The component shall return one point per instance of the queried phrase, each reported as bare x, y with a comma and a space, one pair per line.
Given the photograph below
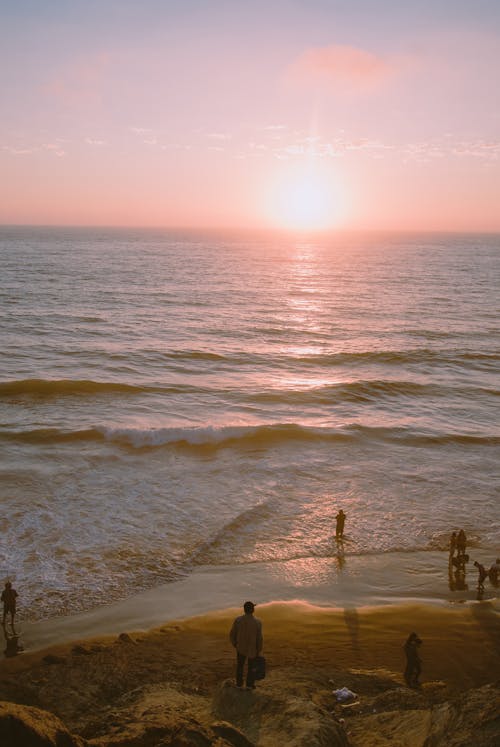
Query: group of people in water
457, 565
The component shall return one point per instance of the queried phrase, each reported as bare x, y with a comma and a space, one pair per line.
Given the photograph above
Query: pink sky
230, 114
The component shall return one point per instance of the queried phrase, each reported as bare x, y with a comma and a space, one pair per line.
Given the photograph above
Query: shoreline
320, 582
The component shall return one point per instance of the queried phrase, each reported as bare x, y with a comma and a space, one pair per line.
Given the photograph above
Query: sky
369, 114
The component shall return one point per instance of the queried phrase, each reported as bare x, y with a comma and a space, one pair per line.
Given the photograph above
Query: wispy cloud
18, 151
219, 135
54, 148
342, 64
81, 83
274, 127
91, 141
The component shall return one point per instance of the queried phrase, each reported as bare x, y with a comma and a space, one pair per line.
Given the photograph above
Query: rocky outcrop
407, 718
297, 716
266, 716
24, 726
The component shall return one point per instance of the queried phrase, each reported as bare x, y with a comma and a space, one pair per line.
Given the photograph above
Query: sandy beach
347, 583
310, 651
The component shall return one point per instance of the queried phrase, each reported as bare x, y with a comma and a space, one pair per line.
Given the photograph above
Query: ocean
176, 400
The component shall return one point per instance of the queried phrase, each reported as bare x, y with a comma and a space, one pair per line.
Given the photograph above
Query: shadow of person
487, 617
351, 617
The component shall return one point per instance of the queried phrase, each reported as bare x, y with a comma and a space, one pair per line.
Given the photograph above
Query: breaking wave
244, 436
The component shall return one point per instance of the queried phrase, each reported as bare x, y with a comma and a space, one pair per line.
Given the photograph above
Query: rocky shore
173, 687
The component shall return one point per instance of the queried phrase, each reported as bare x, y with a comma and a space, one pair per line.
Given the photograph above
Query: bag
259, 668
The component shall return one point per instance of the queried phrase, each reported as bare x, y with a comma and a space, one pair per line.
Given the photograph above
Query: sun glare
305, 201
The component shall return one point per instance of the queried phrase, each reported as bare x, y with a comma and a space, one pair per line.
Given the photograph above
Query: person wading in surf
339, 528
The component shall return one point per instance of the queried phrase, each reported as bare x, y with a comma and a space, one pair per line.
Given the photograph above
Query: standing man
246, 637
453, 544
9, 596
339, 529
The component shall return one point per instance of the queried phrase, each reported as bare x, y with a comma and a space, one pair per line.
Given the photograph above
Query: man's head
249, 608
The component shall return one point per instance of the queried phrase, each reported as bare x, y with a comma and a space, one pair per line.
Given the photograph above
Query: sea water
171, 400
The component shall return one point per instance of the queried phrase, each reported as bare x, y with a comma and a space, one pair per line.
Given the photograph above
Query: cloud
342, 64
91, 141
81, 83
219, 135
55, 149
18, 151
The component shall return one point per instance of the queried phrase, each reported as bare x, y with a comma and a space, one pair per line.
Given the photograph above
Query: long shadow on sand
489, 620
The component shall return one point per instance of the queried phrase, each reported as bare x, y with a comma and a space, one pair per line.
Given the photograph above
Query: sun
305, 200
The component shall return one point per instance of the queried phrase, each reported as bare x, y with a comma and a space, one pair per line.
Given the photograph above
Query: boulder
25, 726
267, 714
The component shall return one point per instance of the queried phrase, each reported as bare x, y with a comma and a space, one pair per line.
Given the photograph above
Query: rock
125, 638
80, 651
403, 698
25, 726
391, 728
230, 734
267, 714
53, 659
471, 720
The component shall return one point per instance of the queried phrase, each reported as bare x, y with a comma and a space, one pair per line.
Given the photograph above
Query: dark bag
259, 668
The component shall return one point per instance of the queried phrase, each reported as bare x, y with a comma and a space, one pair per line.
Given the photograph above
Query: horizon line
252, 229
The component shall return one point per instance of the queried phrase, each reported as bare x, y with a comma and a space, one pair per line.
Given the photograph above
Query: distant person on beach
9, 596
339, 528
453, 544
482, 575
494, 572
246, 637
461, 543
413, 662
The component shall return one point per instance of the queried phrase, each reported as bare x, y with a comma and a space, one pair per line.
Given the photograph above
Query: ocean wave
72, 387
245, 436
366, 391
61, 387
383, 357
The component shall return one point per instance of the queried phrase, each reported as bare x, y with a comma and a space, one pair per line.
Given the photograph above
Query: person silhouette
461, 543
482, 575
413, 662
246, 637
453, 544
9, 596
339, 527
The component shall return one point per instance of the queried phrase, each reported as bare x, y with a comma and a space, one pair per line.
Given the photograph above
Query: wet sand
354, 582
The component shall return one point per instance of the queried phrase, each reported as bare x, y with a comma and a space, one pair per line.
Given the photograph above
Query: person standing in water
453, 544
339, 528
461, 543
482, 575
